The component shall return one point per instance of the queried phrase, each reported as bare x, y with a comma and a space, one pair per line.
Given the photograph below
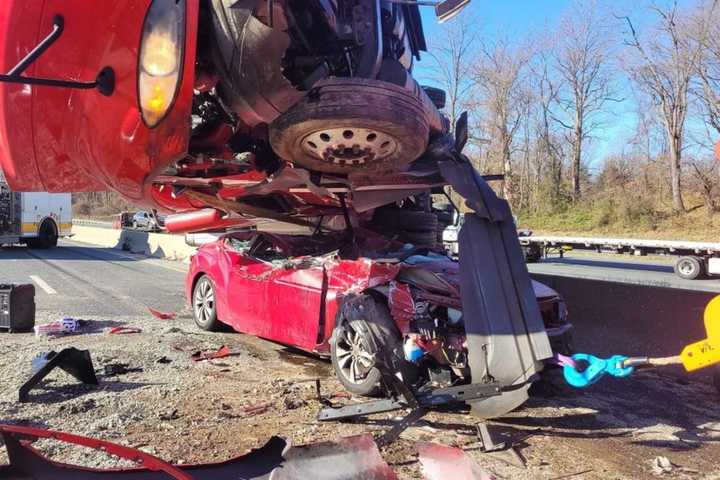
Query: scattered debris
64, 326
167, 416
75, 362
115, 369
293, 403
26, 462
162, 315
661, 465
257, 409
440, 462
345, 458
221, 352
163, 360
124, 330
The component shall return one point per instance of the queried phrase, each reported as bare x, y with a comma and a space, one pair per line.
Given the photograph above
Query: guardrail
158, 245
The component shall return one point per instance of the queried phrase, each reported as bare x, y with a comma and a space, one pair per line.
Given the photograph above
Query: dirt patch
192, 412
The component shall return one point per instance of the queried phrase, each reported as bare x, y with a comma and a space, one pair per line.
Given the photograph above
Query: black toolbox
17, 307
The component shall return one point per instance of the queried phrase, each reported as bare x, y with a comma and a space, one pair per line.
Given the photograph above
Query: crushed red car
306, 290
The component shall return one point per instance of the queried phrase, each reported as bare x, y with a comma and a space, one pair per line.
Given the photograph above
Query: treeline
543, 106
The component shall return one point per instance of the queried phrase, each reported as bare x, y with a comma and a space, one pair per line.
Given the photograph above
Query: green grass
618, 218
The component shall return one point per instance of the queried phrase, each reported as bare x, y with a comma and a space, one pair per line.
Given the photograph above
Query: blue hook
595, 370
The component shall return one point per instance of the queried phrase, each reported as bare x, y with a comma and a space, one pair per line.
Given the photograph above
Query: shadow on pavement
647, 267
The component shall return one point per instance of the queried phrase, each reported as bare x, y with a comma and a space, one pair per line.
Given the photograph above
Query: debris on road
124, 330
440, 462
661, 465
221, 352
162, 315
114, 369
73, 361
350, 457
64, 326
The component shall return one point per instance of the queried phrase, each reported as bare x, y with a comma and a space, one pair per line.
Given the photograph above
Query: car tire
388, 124
364, 331
204, 306
690, 268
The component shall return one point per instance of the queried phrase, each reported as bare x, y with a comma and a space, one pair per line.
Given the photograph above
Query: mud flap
505, 333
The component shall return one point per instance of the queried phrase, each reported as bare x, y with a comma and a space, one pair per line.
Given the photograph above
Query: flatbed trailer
695, 259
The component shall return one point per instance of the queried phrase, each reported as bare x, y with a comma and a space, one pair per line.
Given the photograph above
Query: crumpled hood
446, 275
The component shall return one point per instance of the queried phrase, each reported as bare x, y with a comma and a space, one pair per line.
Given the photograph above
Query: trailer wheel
690, 268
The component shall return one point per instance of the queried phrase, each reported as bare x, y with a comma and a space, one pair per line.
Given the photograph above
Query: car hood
442, 275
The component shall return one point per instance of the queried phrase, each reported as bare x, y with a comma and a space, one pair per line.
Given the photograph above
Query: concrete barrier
158, 245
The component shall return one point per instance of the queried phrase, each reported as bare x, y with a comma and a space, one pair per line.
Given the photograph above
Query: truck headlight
161, 58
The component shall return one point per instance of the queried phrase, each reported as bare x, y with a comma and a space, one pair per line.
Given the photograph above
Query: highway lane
81, 280
651, 272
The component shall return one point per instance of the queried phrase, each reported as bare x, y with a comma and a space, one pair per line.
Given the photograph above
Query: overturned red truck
221, 112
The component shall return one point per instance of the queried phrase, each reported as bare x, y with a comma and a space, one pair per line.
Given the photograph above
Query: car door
294, 297
275, 301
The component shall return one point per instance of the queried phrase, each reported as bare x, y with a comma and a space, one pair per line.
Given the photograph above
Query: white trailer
696, 259
35, 218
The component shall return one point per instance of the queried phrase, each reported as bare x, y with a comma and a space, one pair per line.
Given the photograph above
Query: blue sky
519, 18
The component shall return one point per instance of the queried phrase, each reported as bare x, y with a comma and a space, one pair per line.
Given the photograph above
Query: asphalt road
85, 281
650, 272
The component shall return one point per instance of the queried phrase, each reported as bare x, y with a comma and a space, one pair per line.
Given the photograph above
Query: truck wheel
346, 125
690, 268
47, 236
365, 330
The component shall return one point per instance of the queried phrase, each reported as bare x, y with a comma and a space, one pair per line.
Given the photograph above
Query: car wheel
365, 331
689, 268
204, 306
346, 125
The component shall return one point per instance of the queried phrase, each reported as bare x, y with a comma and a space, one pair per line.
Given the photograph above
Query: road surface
82, 280
190, 412
651, 272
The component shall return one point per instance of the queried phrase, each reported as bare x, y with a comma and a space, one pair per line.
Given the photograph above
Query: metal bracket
104, 82
75, 362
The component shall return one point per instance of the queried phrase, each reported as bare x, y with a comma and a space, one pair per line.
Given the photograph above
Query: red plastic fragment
221, 352
162, 315
124, 330
440, 462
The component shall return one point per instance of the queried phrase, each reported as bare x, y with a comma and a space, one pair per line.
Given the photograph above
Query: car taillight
161, 58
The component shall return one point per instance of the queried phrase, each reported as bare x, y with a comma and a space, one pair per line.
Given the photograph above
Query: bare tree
453, 57
706, 175
499, 75
667, 63
545, 96
706, 33
583, 60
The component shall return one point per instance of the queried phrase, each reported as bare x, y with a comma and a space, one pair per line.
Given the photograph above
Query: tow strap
582, 370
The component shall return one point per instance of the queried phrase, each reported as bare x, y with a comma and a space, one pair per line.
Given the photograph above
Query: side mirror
447, 9
461, 132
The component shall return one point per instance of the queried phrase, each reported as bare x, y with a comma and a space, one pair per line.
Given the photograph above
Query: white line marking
43, 284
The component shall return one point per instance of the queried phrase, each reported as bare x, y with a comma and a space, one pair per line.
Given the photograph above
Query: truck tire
47, 236
346, 125
690, 268
396, 219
